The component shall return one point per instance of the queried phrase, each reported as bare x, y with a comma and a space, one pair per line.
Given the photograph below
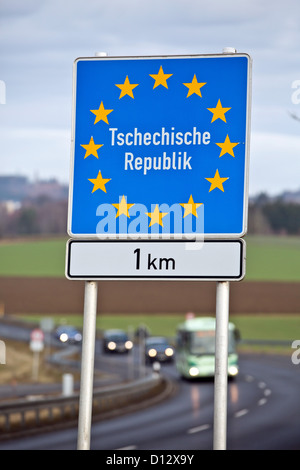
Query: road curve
263, 413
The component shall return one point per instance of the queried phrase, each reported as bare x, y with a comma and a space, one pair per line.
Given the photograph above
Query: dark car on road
158, 348
116, 341
68, 334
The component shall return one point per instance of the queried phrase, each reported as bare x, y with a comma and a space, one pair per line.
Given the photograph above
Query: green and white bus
195, 348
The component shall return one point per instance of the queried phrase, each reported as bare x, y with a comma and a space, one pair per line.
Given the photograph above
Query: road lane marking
240, 413
249, 378
127, 448
204, 427
262, 401
262, 385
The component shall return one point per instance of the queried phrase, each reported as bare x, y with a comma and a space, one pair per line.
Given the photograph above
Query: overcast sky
39, 40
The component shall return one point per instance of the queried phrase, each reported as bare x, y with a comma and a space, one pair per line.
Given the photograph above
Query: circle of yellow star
99, 182
101, 113
161, 78
126, 88
156, 216
194, 87
191, 207
123, 207
227, 147
218, 112
91, 148
216, 182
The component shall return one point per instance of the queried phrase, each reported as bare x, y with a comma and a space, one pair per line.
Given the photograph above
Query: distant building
19, 188
13, 188
51, 189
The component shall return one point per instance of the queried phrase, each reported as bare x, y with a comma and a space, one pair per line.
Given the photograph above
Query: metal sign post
221, 366
87, 365
36, 346
2, 352
87, 359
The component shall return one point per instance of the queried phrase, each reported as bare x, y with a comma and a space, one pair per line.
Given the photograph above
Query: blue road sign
160, 147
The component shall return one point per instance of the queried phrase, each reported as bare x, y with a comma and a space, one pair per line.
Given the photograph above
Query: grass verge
19, 366
269, 258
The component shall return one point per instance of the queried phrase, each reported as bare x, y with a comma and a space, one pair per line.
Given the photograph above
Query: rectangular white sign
158, 260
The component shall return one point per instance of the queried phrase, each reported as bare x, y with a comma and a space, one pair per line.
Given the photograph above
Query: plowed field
61, 296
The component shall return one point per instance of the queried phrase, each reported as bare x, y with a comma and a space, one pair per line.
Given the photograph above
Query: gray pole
221, 354
87, 358
221, 366
87, 365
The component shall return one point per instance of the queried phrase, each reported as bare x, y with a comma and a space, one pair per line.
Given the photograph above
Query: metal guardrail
23, 415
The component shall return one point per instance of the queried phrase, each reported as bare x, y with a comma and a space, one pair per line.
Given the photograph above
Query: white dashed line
238, 414
204, 427
127, 448
241, 413
249, 378
262, 401
262, 385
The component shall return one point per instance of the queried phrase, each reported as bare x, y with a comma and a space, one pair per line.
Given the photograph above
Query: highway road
263, 413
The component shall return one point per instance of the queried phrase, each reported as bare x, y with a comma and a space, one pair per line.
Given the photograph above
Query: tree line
38, 216
46, 216
273, 216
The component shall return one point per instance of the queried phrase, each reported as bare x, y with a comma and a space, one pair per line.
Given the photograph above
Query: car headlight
111, 345
152, 352
169, 352
128, 344
64, 337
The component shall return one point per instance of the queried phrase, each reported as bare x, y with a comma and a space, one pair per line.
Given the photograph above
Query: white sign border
149, 236
156, 277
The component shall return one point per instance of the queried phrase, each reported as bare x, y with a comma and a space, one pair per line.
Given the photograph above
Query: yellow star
126, 88
227, 147
156, 216
123, 207
91, 148
101, 113
191, 207
218, 112
99, 183
161, 78
216, 182
194, 87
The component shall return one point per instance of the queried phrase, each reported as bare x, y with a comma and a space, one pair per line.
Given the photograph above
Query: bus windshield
203, 342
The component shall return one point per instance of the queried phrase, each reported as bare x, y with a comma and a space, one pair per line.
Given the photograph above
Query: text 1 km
149, 262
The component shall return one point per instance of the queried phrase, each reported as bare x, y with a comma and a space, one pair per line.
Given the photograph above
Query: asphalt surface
263, 414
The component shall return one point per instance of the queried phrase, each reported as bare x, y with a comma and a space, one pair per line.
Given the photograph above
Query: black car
157, 348
116, 341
